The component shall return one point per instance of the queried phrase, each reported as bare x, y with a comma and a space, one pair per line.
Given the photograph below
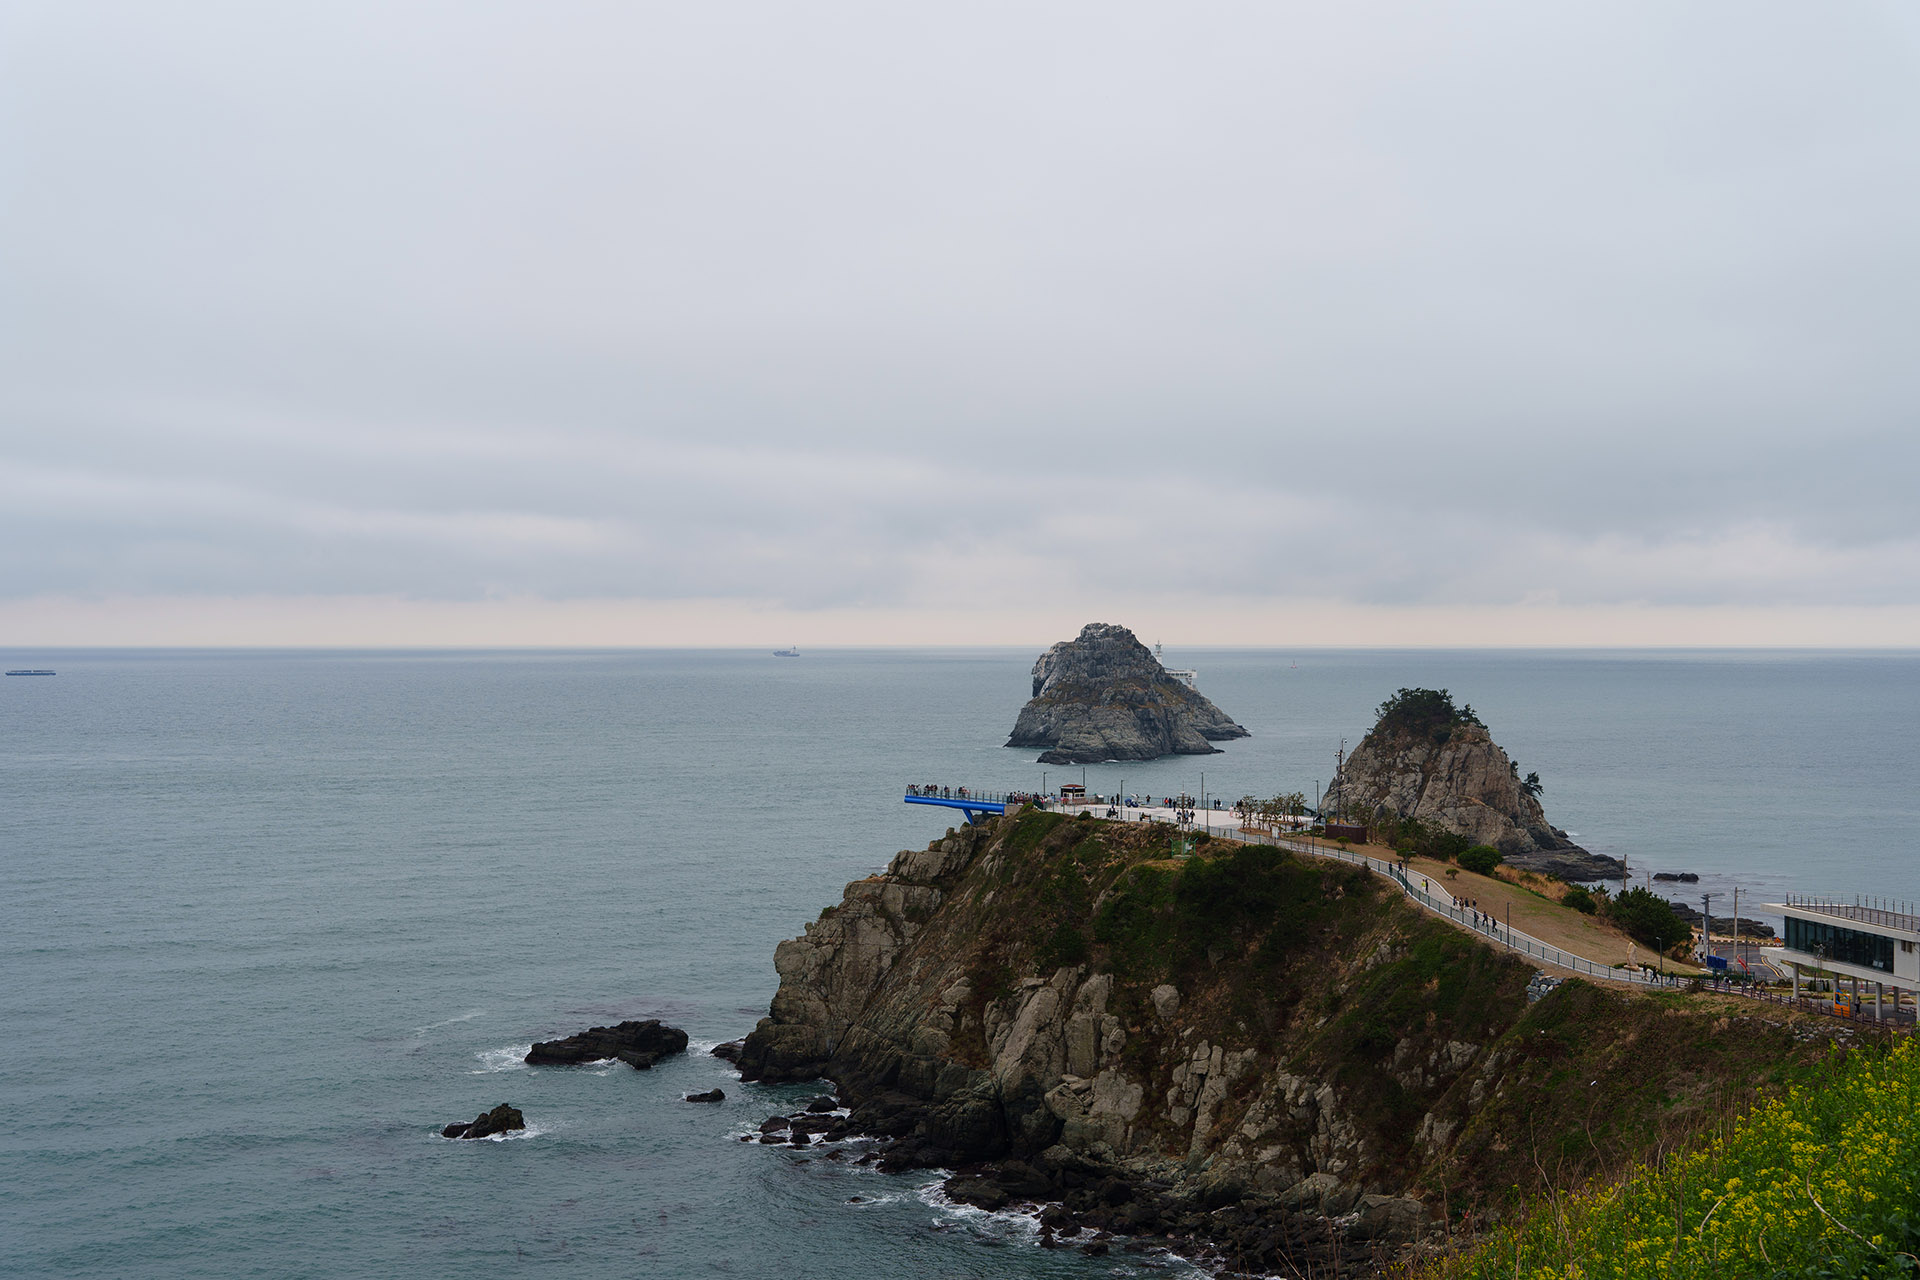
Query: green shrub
1580, 900
1066, 946
1648, 919
1481, 859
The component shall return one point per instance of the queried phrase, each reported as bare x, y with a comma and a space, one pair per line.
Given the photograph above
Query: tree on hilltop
1424, 713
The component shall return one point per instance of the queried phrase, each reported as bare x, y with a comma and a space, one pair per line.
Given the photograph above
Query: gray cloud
1603, 304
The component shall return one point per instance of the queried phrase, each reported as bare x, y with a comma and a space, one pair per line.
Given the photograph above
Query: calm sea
267, 921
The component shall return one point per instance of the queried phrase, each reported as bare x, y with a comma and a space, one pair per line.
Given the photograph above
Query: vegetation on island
1423, 713
1823, 1181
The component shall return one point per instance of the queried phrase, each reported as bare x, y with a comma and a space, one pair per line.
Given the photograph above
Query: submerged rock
1104, 696
711, 1095
638, 1044
499, 1120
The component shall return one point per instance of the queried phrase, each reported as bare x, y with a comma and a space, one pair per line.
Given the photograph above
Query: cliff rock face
1039, 992
1104, 696
1457, 778
1271, 1059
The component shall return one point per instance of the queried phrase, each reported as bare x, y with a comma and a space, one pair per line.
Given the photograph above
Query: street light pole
1706, 928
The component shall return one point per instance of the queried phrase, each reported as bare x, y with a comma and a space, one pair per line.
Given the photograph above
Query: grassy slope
1592, 1080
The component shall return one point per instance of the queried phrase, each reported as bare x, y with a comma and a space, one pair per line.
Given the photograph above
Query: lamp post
1705, 929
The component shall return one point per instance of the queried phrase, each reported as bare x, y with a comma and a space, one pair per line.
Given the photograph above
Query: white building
1861, 943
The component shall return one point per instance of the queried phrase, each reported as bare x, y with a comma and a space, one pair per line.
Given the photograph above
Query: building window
1846, 946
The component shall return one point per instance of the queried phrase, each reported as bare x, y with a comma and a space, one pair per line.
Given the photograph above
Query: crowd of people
935, 791
1186, 807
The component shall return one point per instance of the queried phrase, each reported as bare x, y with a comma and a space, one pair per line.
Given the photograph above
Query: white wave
1023, 1224
447, 1022
511, 1135
514, 1135
507, 1059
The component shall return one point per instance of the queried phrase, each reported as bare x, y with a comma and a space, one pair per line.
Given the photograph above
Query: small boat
30, 672
787, 653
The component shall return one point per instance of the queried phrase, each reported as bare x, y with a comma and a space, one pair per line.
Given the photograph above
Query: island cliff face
1104, 696
1264, 1054
1445, 770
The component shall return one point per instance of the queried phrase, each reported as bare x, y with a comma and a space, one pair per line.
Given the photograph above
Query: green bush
1481, 859
1422, 840
1580, 900
1648, 919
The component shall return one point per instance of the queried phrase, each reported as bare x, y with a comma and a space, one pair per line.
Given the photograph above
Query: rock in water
711, 1095
1104, 696
1428, 760
488, 1123
638, 1044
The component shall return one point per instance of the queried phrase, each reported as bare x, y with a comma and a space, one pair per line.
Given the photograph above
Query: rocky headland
1269, 1060
1104, 696
1431, 761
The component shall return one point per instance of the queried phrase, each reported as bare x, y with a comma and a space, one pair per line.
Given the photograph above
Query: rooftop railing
1886, 913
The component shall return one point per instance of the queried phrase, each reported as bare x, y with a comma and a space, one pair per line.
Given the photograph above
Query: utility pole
1706, 926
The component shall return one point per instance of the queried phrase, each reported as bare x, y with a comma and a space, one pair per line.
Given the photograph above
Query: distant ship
778, 653
34, 672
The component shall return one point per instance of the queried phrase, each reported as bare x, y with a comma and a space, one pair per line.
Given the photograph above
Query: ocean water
269, 920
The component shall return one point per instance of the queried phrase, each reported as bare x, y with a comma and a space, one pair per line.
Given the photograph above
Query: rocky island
1266, 1059
638, 1044
1104, 696
1431, 761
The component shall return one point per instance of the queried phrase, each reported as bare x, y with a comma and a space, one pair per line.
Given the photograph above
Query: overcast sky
571, 322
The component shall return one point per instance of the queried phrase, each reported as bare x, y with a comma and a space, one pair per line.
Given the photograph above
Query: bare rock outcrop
638, 1044
1104, 696
502, 1119
1427, 760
